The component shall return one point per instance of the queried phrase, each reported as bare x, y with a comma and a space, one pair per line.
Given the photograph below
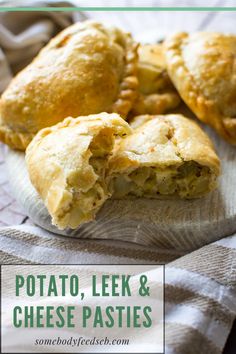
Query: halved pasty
203, 68
157, 94
167, 155
67, 164
86, 69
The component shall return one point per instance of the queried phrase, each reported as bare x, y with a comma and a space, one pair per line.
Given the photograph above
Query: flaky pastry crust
203, 70
86, 69
67, 164
166, 155
152, 70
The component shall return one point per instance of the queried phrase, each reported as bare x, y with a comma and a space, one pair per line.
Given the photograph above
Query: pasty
155, 103
67, 164
138, 121
86, 69
166, 155
152, 73
157, 94
202, 67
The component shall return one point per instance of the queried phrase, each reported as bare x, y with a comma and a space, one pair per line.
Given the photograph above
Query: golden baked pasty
167, 155
157, 94
67, 164
138, 121
86, 69
202, 67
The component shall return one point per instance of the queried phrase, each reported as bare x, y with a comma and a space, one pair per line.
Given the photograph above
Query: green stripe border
205, 8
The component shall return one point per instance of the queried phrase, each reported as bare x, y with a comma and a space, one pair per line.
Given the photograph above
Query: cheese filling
187, 181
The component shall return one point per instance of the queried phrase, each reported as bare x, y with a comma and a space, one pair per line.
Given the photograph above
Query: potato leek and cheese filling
165, 156
67, 164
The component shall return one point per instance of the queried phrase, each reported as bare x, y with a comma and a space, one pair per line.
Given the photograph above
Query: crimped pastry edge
16, 140
206, 110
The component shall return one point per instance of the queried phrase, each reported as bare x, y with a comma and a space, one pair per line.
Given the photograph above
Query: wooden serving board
171, 224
